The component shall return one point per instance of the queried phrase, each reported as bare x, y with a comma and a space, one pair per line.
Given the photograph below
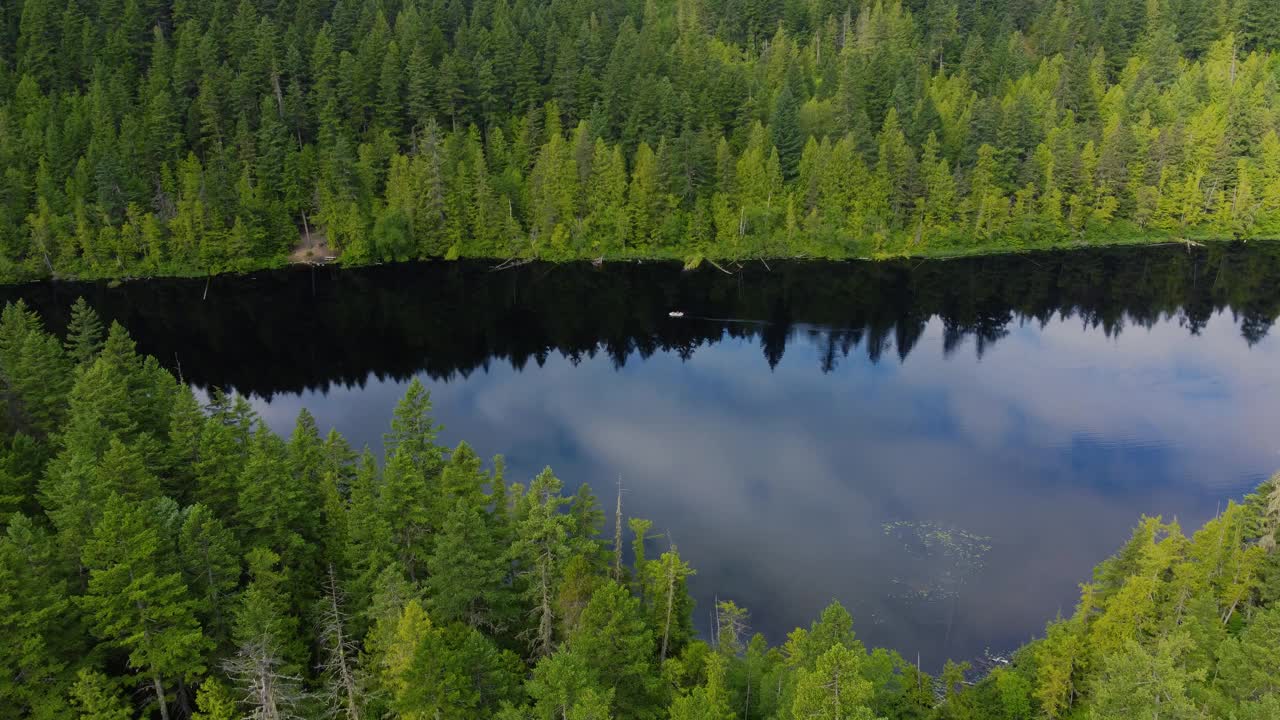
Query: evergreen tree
614, 641
784, 131
563, 686
833, 688
540, 550
1138, 682
214, 702
42, 638
84, 334
413, 433
210, 559
135, 604
668, 600
95, 696
709, 701
467, 573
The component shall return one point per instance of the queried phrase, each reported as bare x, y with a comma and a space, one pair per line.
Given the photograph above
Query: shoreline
690, 262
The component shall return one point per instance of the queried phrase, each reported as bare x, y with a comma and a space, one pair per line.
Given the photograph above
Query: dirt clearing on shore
313, 248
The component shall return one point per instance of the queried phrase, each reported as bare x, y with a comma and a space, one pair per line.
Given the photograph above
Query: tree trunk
345, 676
837, 682
666, 628
546, 620
159, 688
214, 600
617, 536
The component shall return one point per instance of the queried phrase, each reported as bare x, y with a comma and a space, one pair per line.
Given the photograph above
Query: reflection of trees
985, 329
304, 328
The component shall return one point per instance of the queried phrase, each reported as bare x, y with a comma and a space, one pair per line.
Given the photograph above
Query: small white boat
675, 314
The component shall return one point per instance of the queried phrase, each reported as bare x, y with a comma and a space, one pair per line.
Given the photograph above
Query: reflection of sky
775, 485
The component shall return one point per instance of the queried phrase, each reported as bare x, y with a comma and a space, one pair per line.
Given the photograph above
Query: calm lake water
945, 447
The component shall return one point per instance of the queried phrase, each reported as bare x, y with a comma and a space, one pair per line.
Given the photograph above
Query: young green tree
670, 607
563, 686
43, 642
210, 559
96, 697
271, 504
370, 546
709, 701
84, 334
540, 550
466, 570
221, 454
215, 702
784, 131
1242, 670
834, 688
1140, 682
613, 640
427, 670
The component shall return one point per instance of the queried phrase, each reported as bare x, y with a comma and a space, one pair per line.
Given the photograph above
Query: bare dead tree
675, 571
666, 626
268, 692
340, 653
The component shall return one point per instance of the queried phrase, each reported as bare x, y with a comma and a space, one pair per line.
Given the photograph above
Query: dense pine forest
143, 137
168, 556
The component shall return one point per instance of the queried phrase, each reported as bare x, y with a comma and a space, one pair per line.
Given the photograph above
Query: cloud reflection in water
776, 483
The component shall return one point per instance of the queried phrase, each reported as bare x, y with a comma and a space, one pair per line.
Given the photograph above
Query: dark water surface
945, 447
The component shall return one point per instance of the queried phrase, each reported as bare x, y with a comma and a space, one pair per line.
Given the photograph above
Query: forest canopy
142, 137
168, 556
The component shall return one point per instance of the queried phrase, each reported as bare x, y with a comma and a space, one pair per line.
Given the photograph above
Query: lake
945, 447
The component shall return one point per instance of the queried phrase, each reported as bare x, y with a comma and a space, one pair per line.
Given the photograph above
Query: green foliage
834, 688
84, 333
1141, 683
214, 702
540, 551
95, 697
43, 640
210, 559
467, 569
134, 603
618, 647
563, 685
709, 701
432, 670
154, 137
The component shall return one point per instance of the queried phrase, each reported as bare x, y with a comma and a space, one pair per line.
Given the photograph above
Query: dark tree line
447, 319
141, 137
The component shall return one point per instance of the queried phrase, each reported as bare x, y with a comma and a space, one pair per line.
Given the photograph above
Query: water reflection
903, 416
309, 329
